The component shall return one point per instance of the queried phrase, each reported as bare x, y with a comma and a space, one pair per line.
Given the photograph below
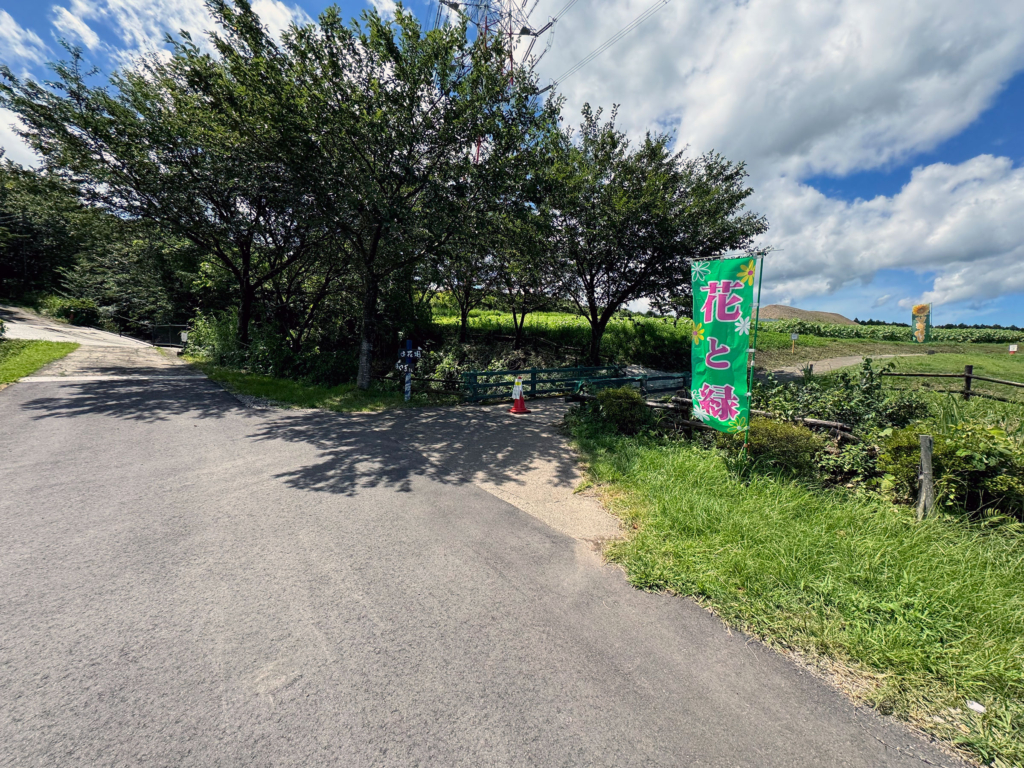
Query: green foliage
628, 219
892, 332
978, 469
777, 446
860, 400
929, 613
653, 342
21, 357
625, 409
76, 311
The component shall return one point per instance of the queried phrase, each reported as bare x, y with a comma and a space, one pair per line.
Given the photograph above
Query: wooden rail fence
968, 376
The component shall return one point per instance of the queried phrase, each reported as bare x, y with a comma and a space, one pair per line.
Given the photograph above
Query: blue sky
884, 139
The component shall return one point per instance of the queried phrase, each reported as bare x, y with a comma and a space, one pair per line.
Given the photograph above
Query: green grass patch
22, 357
296, 394
924, 616
774, 349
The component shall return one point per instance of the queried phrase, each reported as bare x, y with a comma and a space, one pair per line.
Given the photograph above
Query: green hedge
893, 332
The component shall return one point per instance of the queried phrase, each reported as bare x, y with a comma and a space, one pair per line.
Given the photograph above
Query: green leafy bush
3, 329
777, 446
859, 401
625, 408
976, 467
77, 311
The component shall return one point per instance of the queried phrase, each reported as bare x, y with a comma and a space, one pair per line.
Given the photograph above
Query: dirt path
828, 365
22, 324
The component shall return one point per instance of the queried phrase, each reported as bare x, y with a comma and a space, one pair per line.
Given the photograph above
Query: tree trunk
245, 315
464, 324
596, 332
518, 322
369, 328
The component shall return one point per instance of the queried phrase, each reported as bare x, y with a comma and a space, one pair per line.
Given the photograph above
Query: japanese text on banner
723, 305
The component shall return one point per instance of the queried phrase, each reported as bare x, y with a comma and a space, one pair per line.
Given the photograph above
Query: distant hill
782, 312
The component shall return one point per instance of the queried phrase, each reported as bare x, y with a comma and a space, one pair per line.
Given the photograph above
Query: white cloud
881, 301
958, 222
794, 87
19, 44
384, 7
13, 145
73, 28
801, 87
142, 25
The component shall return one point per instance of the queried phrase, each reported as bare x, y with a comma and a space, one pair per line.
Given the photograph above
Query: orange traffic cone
518, 401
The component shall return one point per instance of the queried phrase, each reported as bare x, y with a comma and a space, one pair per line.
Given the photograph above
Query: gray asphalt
184, 581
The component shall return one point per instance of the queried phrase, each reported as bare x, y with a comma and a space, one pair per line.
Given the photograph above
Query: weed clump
625, 409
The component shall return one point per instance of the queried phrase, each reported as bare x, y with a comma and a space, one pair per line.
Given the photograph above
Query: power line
609, 42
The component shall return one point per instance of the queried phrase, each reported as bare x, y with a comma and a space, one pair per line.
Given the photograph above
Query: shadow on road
449, 445
355, 451
143, 400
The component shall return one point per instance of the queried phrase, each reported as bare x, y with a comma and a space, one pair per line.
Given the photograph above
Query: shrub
625, 408
860, 401
976, 468
77, 311
3, 329
777, 445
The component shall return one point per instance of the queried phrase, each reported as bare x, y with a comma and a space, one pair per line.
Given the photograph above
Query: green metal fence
537, 382
541, 382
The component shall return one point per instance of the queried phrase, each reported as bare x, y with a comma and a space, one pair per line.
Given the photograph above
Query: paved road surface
184, 581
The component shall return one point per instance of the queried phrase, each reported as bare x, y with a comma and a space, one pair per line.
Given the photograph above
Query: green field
916, 619
19, 357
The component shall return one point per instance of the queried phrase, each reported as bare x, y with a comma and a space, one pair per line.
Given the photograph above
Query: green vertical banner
723, 304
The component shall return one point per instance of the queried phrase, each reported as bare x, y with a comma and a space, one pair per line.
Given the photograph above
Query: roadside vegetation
813, 544
22, 357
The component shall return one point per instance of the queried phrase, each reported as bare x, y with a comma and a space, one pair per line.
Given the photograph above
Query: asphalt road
184, 581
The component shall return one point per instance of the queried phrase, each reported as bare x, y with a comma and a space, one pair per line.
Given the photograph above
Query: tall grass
929, 614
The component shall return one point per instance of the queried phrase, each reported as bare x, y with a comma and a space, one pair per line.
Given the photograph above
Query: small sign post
793, 337
406, 362
1013, 349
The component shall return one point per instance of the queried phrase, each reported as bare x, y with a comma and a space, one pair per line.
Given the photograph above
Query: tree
420, 134
525, 273
629, 220
43, 228
204, 147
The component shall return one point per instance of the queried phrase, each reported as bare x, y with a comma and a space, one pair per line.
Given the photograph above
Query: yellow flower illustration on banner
921, 309
738, 424
747, 271
698, 333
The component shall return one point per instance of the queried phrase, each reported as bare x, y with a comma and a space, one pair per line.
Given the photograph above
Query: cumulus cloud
798, 88
18, 44
11, 143
794, 87
960, 222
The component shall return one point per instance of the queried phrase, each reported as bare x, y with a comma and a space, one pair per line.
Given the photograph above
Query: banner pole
752, 353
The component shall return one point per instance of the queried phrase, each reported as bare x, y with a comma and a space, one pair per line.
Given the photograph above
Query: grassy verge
296, 394
21, 357
1001, 366
920, 618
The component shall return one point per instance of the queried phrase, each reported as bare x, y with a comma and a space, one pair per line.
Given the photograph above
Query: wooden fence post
533, 382
968, 370
926, 498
